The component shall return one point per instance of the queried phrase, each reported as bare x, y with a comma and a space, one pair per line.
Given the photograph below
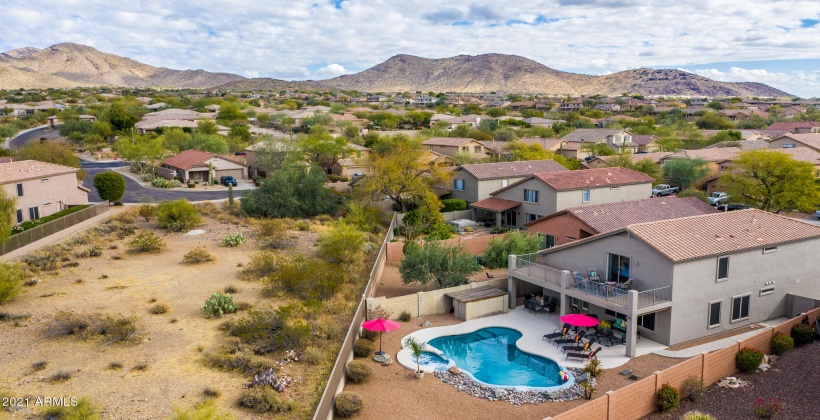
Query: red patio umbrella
381, 325
579, 320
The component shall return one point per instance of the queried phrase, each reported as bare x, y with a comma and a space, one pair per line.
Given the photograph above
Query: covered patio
499, 209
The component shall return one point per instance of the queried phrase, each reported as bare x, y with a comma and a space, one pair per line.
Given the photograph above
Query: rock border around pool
464, 383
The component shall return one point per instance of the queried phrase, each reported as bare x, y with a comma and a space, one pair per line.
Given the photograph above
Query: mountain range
68, 64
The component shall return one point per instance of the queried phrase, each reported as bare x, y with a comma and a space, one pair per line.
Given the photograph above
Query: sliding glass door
618, 268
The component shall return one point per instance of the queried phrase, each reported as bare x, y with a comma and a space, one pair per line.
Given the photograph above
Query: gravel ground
794, 380
390, 284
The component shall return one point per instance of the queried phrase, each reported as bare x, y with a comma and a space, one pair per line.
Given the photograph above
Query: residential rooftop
511, 169
591, 178
31, 169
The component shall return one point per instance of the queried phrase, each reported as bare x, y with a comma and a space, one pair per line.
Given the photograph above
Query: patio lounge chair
625, 285
583, 348
592, 355
593, 274
573, 340
557, 333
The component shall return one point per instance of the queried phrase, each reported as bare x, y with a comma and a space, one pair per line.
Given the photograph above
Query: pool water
491, 356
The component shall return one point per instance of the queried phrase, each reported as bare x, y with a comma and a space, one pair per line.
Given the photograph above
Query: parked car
817, 214
733, 207
716, 198
227, 180
240, 154
661, 190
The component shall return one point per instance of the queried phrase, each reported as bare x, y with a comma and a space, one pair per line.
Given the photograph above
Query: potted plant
605, 326
416, 348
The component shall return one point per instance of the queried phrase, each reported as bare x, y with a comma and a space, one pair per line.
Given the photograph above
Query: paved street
22, 139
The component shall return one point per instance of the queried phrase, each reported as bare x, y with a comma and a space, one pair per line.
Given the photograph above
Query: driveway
136, 193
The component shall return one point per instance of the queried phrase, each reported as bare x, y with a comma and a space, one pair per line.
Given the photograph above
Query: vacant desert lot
172, 344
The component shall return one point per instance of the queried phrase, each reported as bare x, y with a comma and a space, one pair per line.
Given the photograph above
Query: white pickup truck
661, 190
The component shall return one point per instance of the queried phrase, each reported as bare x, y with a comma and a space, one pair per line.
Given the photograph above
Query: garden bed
22, 227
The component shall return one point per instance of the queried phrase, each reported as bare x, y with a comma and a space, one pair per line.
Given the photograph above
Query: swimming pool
490, 356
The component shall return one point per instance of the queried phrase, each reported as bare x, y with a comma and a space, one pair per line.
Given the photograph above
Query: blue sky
767, 41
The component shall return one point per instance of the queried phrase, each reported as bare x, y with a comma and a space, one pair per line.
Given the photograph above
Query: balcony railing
525, 264
654, 296
609, 293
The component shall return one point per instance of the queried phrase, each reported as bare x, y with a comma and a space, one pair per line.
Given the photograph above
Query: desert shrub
369, 335
109, 328
147, 211
209, 209
697, 415
164, 183
91, 252
668, 398
197, 255
178, 215
748, 359
273, 233
327, 327
117, 329
364, 217
270, 331
231, 290
306, 278
692, 388
344, 245
44, 260
264, 400
261, 266
36, 367
767, 408
206, 410
291, 193
781, 343
517, 243
802, 334
404, 316
11, 280
110, 185
233, 240
363, 347
236, 362
348, 404
218, 305
115, 366
453, 204
84, 410
358, 371
302, 225
146, 241
60, 377
314, 355
159, 309
593, 367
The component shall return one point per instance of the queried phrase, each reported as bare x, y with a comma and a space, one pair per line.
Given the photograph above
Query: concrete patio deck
718, 344
533, 327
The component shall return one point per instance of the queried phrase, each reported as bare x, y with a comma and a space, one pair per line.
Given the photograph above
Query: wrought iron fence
49, 228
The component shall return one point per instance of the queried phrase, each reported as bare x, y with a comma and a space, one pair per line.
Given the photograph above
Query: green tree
716, 105
624, 160
110, 186
443, 265
497, 112
684, 173
11, 281
178, 215
144, 152
669, 144
772, 181
7, 210
323, 149
51, 152
343, 245
516, 243
713, 121
206, 127
229, 113
273, 154
291, 192
241, 132
176, 140
426, 219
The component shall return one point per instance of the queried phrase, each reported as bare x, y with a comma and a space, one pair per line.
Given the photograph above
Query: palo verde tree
684, 172
772, 181
443, 265
110, 186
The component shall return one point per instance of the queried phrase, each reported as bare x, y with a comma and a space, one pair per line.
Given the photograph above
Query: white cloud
797, 82
331, 70
250, 73
284, 38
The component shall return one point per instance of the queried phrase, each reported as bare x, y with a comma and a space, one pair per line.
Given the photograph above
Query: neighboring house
802, 154
603, 161
690, 277
743, 144
582, 222
543, 194
436, 159
618, 140
251, 157
457, 145
542, 122
800, 127
646, 142
519, 105
356, 164
790, 141
552, 145
41, 189
475, 182
607, 107
195, 164
574, 105
713, 157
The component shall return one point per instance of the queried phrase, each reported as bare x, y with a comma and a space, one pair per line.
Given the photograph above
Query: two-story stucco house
474, 182
451, 146
688, 278
543, 194
618, 140
41, 189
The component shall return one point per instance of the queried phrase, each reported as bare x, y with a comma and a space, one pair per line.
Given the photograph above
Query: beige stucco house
474, 182
457, 145
195, 164
41, 189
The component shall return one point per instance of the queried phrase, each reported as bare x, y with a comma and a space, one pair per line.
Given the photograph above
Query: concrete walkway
718, 344
58, 236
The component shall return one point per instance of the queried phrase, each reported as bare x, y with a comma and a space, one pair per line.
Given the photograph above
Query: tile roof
583, 135
512, 169
613, 216
792, 125
547, 144
31, 169
587, 178
446, 141
637, 157
495, 204
188, 159
803, 154
809, 139
743, 144
644, 139
695, 237
709, 155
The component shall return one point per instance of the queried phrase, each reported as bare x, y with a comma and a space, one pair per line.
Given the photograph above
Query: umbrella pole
380, 343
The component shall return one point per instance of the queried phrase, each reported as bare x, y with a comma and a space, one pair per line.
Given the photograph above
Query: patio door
618, 268
511, 218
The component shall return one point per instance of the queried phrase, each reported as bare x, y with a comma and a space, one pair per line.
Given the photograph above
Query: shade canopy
579, 320
381, 325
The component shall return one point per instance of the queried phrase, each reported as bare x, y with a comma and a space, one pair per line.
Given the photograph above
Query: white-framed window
647, 321
715, 308
723, 269
585, 196
19, 216
33, 213
19, 190
740, 307
769, 249
531, 196
458, 184
477, 149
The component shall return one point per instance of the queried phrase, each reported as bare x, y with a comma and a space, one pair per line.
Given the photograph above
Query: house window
619, 268
549, 241
714, 313
505, 182
19, 216
465, 149
47, 204
585, 196
581, 304
33, 213
615, 314
723, 268
769, 249
477, 149
531, 196
647, 321
767, 291
788, 146
530, 217
458, 184
740, 308
19, 190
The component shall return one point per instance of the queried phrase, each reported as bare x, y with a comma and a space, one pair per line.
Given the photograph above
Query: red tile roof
495, 204
792, 125
590, 178
188, 159
446, 141
709, 155
512, 169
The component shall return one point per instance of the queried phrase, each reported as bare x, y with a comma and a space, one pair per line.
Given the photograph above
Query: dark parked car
227, 180
733, 206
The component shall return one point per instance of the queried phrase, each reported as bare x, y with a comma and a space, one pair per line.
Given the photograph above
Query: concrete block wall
719, 364
786, 327
427, 303
762, 341
633, 401
596, 409
474, 244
